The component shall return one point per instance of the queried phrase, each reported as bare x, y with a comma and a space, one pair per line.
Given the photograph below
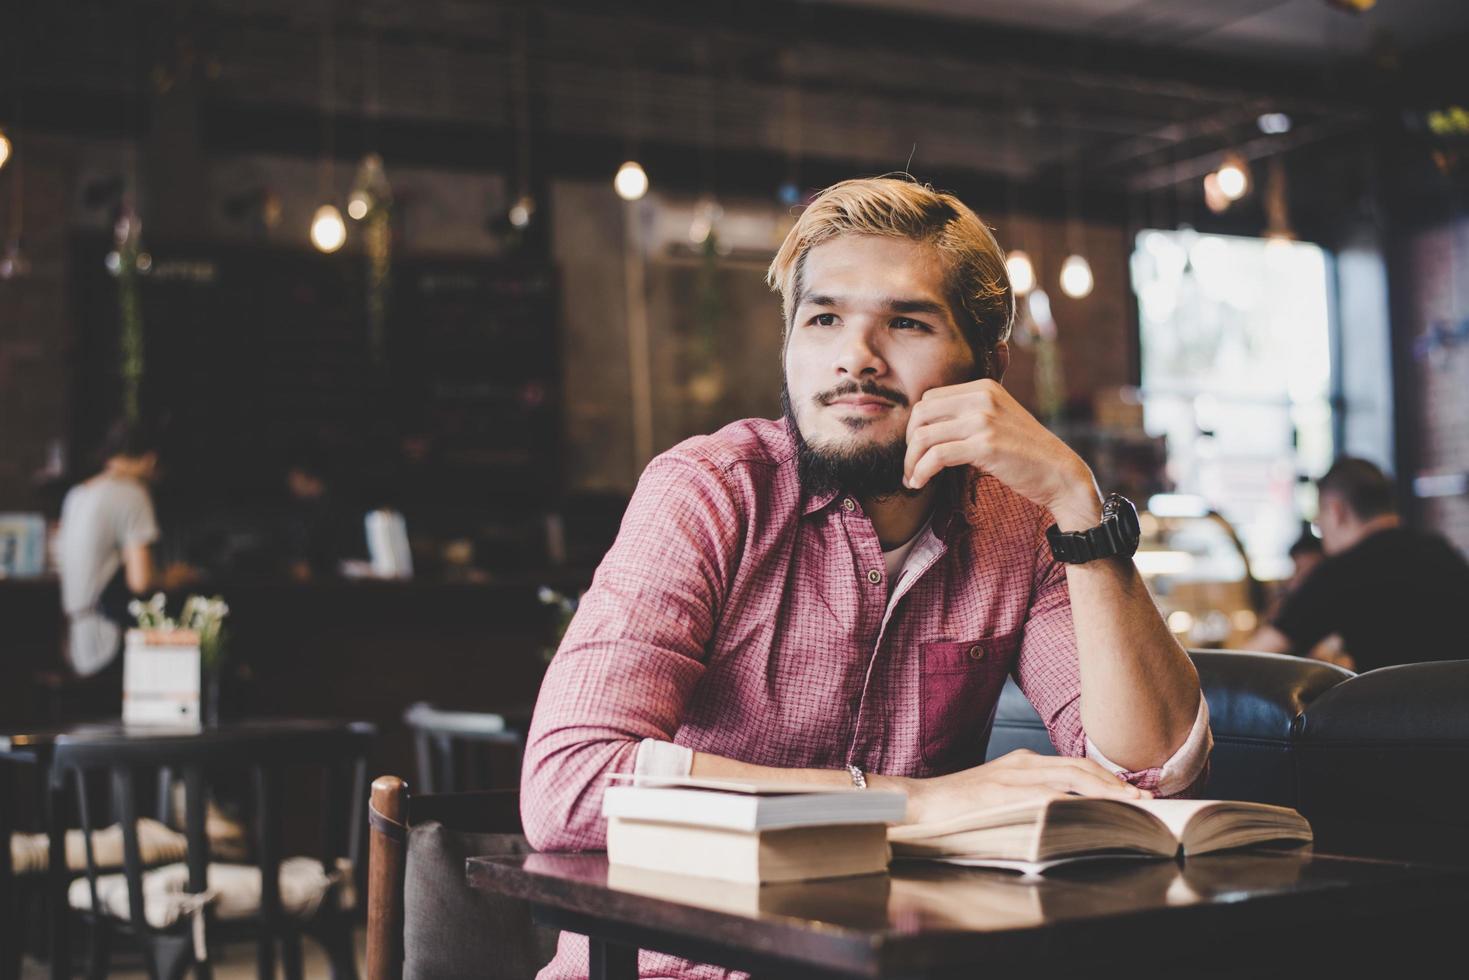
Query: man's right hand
1013, 778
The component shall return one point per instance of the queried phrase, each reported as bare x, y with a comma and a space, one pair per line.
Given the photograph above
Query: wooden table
1247, 914
35, 748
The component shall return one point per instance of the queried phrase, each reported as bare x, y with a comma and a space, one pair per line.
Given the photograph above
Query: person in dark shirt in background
1385, 594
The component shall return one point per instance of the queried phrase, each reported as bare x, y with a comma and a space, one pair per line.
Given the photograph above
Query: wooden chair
177, 912
423, 919
460, 751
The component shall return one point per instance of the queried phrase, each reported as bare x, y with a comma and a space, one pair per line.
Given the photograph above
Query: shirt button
848, 503
976, 652
874, 576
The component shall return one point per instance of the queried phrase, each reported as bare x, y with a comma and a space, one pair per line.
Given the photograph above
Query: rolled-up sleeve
634, 651
1049, 674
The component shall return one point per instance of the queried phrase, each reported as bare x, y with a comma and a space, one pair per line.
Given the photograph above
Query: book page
1010, 814
1175, 814
1041, 867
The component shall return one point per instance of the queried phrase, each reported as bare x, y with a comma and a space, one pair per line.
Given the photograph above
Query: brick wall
1436, 287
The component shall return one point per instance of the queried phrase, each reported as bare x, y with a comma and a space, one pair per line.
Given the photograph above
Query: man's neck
897, 518
1371, 526
120, 469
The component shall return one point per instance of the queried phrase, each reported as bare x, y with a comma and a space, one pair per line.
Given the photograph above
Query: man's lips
866, 405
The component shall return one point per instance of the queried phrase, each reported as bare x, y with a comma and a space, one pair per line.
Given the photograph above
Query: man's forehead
866, 268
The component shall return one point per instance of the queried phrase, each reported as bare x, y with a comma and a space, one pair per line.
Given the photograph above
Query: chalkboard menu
256, 357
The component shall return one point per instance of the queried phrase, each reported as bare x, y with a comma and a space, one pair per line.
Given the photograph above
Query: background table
1244, 914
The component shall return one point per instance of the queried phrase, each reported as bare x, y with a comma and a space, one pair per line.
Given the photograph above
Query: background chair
423, 921
1256, 703
176, 912
459, 751
1383, 759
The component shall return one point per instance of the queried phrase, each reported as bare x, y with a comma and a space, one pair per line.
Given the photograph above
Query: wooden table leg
612, 961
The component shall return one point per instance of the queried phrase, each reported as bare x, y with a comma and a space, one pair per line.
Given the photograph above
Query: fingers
930, 435
1069, 774
968, 387
937, 459
1066, 779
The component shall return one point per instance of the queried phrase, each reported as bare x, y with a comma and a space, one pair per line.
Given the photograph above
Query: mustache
866, 388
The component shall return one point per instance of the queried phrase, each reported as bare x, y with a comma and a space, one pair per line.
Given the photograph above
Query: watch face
1121, 508
1124, 531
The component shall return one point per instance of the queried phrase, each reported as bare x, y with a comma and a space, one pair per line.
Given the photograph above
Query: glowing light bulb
631, 182
328, 231
4, 148
1233, 181
1076, 277
521, 211
1274, 123
358, 206
1021, 271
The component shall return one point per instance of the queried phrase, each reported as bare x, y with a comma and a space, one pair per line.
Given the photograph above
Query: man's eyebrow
892, 304
929, 306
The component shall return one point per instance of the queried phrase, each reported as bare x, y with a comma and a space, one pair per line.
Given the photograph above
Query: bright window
1236, 372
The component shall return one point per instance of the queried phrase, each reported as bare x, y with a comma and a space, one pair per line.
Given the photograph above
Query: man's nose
858, 354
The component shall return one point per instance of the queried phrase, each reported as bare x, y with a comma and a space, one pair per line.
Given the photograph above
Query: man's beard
866, 472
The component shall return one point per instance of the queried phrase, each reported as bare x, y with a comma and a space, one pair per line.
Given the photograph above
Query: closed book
1034, 836
748, 857
749, 806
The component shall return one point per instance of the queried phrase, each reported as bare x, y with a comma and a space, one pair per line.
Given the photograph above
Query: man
1384, 594
104, 548
836, 597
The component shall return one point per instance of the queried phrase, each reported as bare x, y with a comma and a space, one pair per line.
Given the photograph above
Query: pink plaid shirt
737, 616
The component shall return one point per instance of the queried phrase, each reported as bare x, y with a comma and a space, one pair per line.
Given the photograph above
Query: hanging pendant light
1076, 277
631, 181
1021, 272
328, 231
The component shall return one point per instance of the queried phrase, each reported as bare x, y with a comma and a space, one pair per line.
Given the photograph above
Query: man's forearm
709, 766
1139, 691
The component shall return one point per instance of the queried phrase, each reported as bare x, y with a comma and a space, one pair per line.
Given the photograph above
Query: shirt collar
956, 502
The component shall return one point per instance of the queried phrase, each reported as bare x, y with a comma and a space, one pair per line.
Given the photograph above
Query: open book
1034, 836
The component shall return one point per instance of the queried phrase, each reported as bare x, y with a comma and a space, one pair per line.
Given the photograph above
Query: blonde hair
900, 207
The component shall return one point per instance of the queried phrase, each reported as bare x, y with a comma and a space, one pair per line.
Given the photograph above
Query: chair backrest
1382, 764
338, 752
423, 920
1255, 704
459, 751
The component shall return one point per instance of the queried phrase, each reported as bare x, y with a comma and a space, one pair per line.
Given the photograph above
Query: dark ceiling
1128, 98
1310, 32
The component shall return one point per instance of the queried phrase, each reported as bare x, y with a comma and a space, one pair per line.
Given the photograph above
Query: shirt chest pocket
959, 687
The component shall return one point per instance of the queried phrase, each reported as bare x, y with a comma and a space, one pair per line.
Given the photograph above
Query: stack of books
749, 832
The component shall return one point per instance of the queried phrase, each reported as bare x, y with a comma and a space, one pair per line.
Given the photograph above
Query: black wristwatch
1118, 534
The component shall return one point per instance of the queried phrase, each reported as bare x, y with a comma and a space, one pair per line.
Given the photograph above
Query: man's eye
903, 323
824, 319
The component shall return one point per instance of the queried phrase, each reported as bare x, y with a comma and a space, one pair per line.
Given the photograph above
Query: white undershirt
896, 559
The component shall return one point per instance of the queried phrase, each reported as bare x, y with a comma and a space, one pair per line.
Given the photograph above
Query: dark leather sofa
1378, 762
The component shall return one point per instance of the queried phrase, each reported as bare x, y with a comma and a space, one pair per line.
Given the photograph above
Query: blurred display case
1197, 569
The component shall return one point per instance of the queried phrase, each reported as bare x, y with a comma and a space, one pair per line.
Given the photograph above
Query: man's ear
999, 360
